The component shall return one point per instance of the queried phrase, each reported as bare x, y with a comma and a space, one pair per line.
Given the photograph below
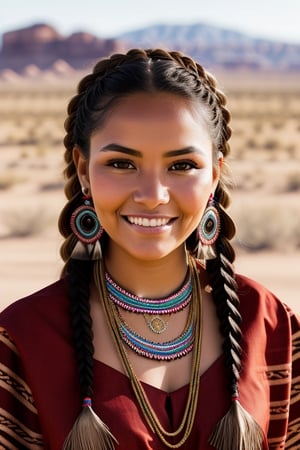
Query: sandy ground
28, 264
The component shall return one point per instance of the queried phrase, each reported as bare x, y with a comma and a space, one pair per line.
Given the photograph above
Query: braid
79, 290
237, 430
221, 269
88, 430
227, 303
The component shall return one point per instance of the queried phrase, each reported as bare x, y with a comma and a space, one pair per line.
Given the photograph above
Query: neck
148, 278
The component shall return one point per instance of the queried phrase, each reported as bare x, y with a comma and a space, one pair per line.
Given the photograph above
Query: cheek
103, 191
105, 196
194, 208
194, 194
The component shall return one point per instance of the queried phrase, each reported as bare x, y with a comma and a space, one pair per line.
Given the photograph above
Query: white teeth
144, 222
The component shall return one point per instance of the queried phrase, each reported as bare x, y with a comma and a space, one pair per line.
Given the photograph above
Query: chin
152, 255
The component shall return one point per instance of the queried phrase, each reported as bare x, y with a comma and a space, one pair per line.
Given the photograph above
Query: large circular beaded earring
208, 231
87, 228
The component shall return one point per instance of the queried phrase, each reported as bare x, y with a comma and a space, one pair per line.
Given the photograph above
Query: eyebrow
137, 153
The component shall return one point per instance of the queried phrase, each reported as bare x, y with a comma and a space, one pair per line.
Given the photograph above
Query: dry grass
267, 226
25, 222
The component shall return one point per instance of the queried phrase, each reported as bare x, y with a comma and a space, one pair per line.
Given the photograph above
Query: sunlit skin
152, 159
151, 163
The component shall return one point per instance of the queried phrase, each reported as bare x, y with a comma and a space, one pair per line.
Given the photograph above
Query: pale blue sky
275, 19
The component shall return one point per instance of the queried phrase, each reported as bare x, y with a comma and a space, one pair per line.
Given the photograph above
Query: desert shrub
252, 143
293, 182
291, 151
257, 127
278, 124
267, 227
248, 179
26, 222
271, 144
8, 180
52, 186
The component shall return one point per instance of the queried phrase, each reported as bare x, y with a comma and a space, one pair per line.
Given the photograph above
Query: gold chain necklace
192, 401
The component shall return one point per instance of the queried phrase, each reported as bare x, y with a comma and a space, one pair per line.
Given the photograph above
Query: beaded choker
167, 305
155, 309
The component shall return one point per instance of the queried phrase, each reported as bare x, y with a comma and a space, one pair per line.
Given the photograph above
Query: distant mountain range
42, 46
217, 47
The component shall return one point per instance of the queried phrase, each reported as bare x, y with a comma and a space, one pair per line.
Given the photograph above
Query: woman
149, 340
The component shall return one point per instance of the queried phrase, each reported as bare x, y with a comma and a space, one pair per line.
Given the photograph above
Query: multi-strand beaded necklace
156, 309
183, 431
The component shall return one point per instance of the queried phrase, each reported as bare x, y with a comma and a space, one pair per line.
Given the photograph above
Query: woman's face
150, 174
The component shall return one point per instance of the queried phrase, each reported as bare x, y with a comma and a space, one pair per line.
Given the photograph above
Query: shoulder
53, 293
255, 297
265, 319
47, 306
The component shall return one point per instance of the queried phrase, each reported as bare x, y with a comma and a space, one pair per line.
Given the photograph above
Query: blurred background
253, 49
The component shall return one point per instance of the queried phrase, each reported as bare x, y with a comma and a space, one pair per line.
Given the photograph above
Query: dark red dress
39, 391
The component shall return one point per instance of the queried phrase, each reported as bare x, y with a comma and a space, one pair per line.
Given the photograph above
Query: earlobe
81, 164
220, 159
217, 170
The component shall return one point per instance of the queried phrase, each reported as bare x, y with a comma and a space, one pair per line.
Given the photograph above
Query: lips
148, 222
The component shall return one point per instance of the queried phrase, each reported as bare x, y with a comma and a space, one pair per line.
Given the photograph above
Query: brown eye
183, 166
121, 164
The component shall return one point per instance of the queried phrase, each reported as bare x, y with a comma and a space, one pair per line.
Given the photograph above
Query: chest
166, 375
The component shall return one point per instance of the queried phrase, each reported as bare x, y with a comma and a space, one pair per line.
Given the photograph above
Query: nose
151, 191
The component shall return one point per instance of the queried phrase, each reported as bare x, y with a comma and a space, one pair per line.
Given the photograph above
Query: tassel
205, 252
87, 252
89, 432
237, 430
80, 251
95, 251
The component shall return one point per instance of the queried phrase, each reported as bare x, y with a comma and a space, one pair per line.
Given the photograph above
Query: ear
217, 171
82, 167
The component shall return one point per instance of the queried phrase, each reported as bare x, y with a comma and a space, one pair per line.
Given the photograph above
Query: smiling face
150, 173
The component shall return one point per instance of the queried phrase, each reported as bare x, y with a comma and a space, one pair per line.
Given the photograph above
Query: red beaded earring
87, 228
208, 231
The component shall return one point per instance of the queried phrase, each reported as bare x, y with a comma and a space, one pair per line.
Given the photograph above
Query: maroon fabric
39, 327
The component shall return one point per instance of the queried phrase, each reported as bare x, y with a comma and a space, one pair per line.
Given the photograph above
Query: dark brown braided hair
111, 80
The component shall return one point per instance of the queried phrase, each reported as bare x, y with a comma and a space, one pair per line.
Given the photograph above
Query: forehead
157, 105
157, 114
148, 121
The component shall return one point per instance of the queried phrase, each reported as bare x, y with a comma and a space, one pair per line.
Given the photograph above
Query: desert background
265, 163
